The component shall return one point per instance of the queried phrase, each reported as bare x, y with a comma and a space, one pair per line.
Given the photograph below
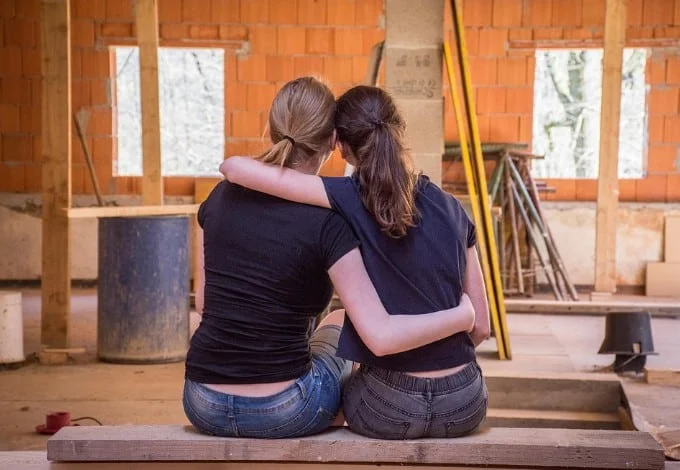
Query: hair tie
289, 139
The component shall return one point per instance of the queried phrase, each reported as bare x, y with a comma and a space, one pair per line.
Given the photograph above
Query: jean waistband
411, 383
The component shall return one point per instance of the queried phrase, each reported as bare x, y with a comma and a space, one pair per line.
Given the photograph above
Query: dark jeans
385, 404
309, 406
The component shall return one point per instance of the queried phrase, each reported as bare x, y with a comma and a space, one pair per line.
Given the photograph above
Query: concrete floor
150, 394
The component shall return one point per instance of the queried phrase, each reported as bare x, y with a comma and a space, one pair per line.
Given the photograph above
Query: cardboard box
430, 164
663, 280
414, 22
671, 250
413, 73
424, 125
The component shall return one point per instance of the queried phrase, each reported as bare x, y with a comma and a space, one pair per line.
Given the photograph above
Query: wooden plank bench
341, 449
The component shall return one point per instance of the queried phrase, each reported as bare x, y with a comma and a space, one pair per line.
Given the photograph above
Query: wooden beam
56, 171
607, 180
130, 211
552, 448
146, 17
599, 307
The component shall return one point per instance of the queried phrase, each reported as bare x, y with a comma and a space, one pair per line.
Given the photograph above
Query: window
191, 86
567, 98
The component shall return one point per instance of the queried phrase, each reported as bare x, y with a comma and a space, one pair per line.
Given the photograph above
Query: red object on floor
54, 422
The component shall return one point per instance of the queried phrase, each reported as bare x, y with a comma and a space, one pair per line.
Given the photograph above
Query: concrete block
671, 237
414, 22
430, 164
424, 124
413, 73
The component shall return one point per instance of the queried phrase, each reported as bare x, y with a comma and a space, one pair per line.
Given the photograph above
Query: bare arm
277, 181
199, 282
384, 333
475, 289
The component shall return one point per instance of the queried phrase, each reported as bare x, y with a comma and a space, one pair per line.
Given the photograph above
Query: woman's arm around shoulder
277, 181
383, 333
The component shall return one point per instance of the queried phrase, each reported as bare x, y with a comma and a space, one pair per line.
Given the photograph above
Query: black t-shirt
419, 273
266, 262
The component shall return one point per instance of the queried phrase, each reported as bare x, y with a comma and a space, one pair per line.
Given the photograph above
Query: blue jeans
386, 404
309, 406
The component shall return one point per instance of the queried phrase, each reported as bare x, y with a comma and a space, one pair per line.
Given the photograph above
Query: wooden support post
56, 171
607, 181
146, 16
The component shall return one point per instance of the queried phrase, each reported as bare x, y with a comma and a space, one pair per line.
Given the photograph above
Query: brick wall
331, 38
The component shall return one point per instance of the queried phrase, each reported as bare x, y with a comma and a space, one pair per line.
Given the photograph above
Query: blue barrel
143, 289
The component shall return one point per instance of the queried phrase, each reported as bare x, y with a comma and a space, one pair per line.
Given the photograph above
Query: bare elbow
380, 346
227, 168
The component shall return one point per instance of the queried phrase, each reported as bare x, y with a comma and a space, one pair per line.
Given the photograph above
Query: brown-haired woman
252, 369
418, 245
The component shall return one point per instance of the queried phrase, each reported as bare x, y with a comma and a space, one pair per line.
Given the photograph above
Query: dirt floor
150, 394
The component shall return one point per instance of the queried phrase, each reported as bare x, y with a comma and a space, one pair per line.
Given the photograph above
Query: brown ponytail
300, 123
368, 122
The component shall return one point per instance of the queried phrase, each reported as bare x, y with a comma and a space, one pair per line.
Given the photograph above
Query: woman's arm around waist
381, 332
474, 287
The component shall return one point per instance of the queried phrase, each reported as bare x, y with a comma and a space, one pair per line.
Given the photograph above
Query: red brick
348, 42
483, 71
655, 125
586, 190
25, 9
12, 179
118, 30
91, 9
20, 33
567, 13
170, 11
263, 39
491, 100
341, 12
254, 11
33, 177
82, 33
371, 37
120, 10
525, 129
100, 92
368, 12
676, 19
204, 31
178, 186
512, 71
308, 66
537, 13
657, 12
662, 159
477, 12
507, 13
101, 122
291, 40
236, 96
359, 68
673, 71
312, 12
338, 70
233, 32
95, 63
280, 69
31, 119
565, 189
578, 33
225, 11
196, 11
80, 94
493, 42
521, 34
16, 91
260, 96
10, 58
627, 190
548, 33
319, 41
283, 12
173, 31
656, 71
673, 188
101, 149
484, 125
17, 148
31, 62
246, 123
651, 189
593, 12
520, 100
669, 32
671, 130
233, 147
252, 68
10, 121
663, 100
471, 40
503, 128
